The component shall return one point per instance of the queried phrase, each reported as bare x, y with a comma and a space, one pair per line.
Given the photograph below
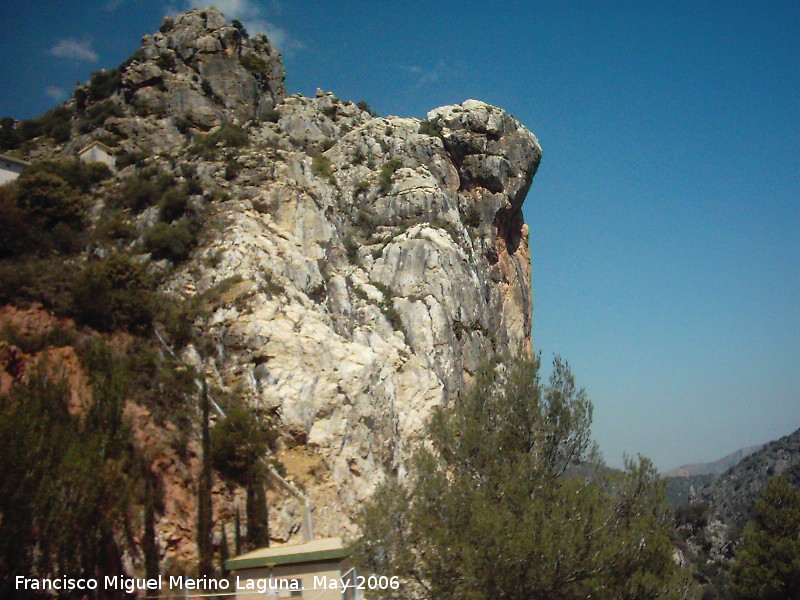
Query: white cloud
56, 93
112, 5
431, 75
252, 16
74, 49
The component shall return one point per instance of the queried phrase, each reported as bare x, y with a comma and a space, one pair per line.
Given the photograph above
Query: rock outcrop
369, 264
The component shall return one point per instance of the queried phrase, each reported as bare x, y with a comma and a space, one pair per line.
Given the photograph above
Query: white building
97, 152
317, 570
10, 168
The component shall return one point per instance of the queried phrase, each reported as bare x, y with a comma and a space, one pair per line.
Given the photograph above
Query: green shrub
103, 84
351, 246
242, 31
171, 241
113, 293
50, 200
80, 175
113, 227
144, 189
255, 64
36, 340
388, 170
126, 159
428, 128
45, 280
97, 114
55, 123
358, 156
231, 169
322, 168
230, 136
366, 107
138, 194
14, 238
166, 61
9, 136
271, 115
80, 96
360, 188
193, 186
472, 218
174, 204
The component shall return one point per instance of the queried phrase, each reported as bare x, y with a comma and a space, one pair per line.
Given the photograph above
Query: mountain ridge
715, 467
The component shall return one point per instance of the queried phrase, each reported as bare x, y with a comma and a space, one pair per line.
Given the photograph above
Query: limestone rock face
203, 66
197, 72
356, 269
379, 265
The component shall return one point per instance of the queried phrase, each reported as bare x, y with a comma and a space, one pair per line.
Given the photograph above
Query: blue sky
665, 217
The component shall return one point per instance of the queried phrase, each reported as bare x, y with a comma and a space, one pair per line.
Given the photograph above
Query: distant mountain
718, 467
734, 493
679, 488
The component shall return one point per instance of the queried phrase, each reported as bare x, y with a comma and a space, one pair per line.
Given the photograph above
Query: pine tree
239, 445
149, 547
224, 554
490, 509
257, 513
237, 532
204, 507
767, 565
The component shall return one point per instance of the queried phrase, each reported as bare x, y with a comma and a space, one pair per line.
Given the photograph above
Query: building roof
14, 159
97, 144
314, 551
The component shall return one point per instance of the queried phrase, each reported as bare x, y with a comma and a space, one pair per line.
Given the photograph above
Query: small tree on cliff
491, 511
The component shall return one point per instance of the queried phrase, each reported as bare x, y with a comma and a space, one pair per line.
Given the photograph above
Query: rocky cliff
361, 267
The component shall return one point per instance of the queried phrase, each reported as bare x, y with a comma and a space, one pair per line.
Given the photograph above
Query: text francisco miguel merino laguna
205, 584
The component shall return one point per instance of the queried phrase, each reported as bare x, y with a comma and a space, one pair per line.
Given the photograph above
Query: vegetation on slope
489, 511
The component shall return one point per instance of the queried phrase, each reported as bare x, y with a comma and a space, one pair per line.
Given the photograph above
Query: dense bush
174, 203
13, 238
255, 64
46, 280
174, 241
240, 28
321, 167
114, 293
82, 176
134, 157
227, 135
166, 61
271, 115
472, 216
144, 189
55, 123
366, 107
428, 128
48, 200
97, 114
103, 84
386, 174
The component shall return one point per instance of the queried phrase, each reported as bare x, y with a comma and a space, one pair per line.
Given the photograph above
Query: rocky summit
355, 269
